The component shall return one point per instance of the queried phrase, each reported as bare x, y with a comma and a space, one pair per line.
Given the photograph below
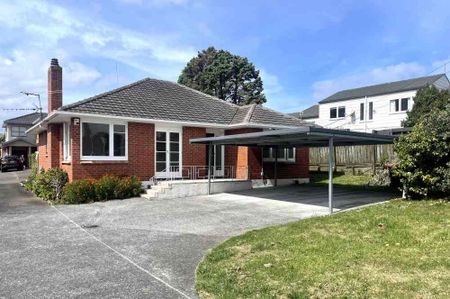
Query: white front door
168, 153
218, 157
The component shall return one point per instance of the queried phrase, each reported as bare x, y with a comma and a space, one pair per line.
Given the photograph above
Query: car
11, 162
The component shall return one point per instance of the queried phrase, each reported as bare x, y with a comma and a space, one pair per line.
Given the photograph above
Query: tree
427, 99
424, 155
221, 74
2, 137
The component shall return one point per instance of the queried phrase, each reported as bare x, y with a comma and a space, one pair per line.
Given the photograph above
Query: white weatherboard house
373, 108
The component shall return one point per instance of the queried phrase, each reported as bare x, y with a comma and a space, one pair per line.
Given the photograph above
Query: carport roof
303, 136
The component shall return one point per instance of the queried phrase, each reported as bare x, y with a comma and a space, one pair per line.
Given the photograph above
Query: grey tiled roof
157, 99
13, 140
380, 89
264, 115
26, 120
311, 112
165, 100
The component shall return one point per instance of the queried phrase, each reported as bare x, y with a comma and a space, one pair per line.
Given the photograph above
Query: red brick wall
193, 154
245, 160
299, 169
242, 157
49, 146
141, 151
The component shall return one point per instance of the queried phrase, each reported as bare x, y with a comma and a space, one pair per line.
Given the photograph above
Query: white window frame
67, 142
407, 104
111, 156
337, 112
392, 104
280, 159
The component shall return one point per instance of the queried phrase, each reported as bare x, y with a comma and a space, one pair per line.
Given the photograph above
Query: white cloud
77, 73
153, 2
39, 30
325, 88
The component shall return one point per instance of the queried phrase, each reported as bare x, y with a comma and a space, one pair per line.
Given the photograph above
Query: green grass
396, 250
347, 180
340, 179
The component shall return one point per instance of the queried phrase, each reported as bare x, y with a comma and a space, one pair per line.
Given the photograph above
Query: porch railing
199, 172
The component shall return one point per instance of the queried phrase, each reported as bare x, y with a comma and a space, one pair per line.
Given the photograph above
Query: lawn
400, 249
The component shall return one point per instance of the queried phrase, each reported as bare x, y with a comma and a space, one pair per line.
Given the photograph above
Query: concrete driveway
133, 248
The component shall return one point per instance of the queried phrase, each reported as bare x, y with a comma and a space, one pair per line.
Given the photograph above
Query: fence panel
350, 156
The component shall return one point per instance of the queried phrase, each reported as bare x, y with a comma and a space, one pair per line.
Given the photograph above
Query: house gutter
55, 113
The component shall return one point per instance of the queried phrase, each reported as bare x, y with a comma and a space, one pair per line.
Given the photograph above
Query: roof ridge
398, 81
94, 97
21, 116
250, 111
281, 113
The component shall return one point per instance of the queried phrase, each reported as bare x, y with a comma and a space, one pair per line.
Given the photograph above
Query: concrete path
133, 248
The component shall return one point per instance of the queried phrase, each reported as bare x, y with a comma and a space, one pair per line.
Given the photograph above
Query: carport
298, 137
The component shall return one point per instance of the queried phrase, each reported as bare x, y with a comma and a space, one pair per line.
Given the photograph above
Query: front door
217, 158
167, 162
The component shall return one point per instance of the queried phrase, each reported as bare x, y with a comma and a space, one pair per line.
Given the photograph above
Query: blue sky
306, 50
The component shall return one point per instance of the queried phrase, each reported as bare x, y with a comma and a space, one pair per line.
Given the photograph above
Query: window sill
398, 112
279, 161
68, 162
103, 161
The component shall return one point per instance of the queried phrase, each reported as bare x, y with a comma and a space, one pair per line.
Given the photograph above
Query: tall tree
221, 74
426, 100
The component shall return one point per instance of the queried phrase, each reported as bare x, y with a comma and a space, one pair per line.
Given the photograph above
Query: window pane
371, 110
174, 157
119, 128
341, 112
290, 152
404, 104
161, 146
119, 144
95, 139
266, 152
174, 146
174, 137
161, 157
161, 136
281, 153
361, 111
160, 166
333, 112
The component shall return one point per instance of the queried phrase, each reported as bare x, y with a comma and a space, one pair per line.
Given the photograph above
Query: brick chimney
54, 85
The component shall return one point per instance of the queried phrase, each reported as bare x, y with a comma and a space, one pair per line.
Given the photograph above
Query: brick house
144, 128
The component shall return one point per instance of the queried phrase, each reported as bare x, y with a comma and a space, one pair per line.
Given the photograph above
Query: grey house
17, 141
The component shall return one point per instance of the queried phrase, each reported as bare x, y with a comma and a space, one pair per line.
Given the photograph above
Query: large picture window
285, 154
104, 141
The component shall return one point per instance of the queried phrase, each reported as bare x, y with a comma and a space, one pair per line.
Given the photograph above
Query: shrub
49, 184
81, 191
424, 154
129, 187
106, 188
28, 184
381, 178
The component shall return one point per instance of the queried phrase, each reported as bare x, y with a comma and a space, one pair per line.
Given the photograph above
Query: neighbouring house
376, 108
17, 141
310, 114
144, 128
